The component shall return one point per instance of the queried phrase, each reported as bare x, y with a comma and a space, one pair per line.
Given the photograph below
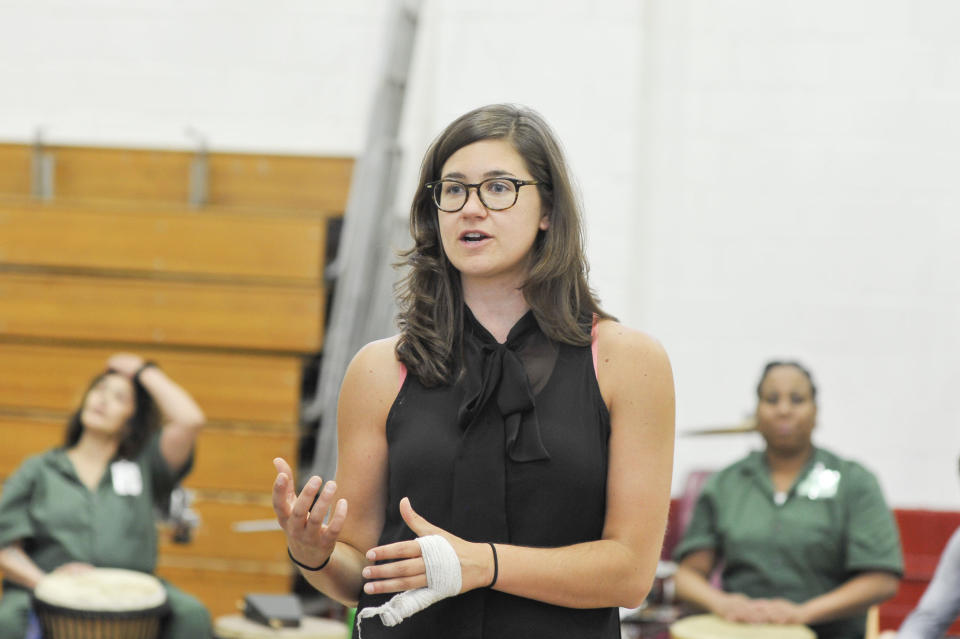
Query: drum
101, 603
714, 627
239, 627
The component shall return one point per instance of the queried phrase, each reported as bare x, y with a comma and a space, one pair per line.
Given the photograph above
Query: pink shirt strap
593, 344
403, 375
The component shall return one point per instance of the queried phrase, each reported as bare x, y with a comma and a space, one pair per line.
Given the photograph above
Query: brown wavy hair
429, 296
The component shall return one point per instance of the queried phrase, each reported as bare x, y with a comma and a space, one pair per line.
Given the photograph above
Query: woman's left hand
408, 571
784, 611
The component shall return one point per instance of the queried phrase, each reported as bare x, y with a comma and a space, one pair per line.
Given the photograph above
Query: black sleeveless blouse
514, 452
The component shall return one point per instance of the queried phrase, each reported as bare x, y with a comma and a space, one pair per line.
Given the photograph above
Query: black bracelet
305, 566
496, 565
147, 364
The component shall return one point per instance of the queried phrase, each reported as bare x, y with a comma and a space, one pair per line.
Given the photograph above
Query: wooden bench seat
24, 437
217, 534
176, 241
15, 169
228, 459
240, 459
241, 180
85, 308
228, 386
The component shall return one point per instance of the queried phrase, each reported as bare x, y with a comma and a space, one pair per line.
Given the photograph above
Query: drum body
100, 604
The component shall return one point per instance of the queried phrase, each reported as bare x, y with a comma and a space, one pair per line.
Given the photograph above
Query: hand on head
126, 364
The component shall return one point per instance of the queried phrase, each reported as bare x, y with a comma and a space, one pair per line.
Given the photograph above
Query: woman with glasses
804, 536
512, 419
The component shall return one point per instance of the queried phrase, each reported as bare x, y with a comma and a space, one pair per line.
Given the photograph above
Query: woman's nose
473, 205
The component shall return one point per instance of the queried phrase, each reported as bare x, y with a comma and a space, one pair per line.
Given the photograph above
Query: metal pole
357, 315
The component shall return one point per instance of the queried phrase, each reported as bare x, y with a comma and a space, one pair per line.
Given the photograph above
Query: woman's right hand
735, 607
73, 568
310, 541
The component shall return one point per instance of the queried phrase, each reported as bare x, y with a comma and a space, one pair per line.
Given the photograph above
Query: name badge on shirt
126, 478
820, 483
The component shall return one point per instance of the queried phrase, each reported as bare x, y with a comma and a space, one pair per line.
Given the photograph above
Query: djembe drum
100, 603
714, 627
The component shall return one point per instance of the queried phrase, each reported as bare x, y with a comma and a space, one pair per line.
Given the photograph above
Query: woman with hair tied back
90, 503
505, 461
804, 536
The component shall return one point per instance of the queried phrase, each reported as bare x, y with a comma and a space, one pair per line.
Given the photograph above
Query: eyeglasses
496, 194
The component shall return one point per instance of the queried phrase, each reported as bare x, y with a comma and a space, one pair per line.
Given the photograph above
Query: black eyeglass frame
517, 183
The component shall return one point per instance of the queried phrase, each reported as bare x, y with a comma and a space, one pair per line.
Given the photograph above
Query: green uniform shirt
833, 524
58, 519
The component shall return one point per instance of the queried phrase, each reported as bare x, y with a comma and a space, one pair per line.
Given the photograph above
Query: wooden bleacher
315, 185
228, 298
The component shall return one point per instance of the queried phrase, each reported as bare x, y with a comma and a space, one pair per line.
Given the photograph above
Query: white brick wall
290, 76
800, 199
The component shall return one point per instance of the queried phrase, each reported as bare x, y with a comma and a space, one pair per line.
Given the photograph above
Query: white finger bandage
443, 580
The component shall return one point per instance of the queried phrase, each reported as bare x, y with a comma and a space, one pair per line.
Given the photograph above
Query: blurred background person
804, 536
91, 502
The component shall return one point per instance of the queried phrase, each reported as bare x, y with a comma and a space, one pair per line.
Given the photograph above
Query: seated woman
91, 501
805, 536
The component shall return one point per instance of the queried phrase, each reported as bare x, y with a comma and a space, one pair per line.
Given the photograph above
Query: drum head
101, 603
714, 627
101, 590
239, 627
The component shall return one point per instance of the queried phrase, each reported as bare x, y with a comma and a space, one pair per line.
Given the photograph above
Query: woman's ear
544, 222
